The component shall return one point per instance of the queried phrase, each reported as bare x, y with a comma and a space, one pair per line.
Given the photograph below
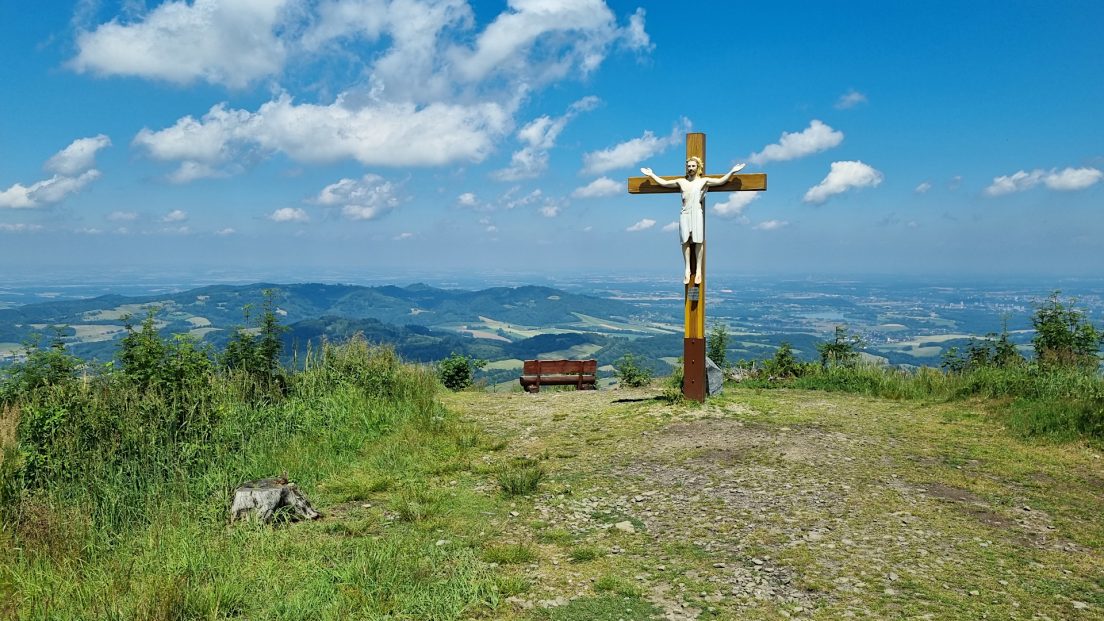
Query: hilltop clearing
763, 505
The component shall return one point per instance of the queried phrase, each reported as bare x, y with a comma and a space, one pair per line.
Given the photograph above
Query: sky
396, 136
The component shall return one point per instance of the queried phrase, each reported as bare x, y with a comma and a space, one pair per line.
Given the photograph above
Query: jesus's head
693, 167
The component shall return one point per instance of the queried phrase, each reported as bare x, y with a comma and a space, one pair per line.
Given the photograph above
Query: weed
583, 554
520, 480
615, 584
509, 554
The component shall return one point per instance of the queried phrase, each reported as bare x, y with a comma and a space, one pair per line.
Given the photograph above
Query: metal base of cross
695, 386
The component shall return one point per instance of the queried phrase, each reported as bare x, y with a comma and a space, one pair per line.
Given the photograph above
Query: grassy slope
815, 505
755, 506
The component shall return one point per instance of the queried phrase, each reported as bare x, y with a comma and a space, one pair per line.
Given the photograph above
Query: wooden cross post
694, 384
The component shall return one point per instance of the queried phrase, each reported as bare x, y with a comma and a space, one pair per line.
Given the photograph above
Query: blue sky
390, 135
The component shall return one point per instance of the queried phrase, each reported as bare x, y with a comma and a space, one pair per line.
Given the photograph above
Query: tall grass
1058, 403
115, 498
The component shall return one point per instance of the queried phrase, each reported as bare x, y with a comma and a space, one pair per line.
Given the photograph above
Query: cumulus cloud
403, 236
122, 216
225, 232
176, 215
642, 225
78, 157
735, 205
792, 145
539, 136
215, 41
437, 87
602, 186
367, 198
45, 192
1072, 179
671, 226
850, 99
771, 225
842, 177
923, 187
289, 214
633, 151
381, 134
73, 171
1064, 180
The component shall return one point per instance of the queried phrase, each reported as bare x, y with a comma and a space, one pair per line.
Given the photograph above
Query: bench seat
582, 374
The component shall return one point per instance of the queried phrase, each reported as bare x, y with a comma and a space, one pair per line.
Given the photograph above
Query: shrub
456, 372
842, 350
630, 373
1064, 337
718, 345
784, 364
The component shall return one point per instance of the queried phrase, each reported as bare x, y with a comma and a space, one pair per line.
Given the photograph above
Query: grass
520, 480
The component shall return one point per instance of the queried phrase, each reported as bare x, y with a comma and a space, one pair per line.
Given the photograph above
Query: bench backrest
560, 367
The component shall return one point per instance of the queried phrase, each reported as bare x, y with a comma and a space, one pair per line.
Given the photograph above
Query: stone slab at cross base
715, 376
263, 498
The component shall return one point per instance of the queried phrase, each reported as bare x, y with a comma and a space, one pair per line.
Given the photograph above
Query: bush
842, 350
784, 364
630, 373
1064, 337
520, 480
718, 345
456, 372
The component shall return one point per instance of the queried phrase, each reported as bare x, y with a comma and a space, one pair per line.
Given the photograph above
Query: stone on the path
262, 499
715, 377
625, 526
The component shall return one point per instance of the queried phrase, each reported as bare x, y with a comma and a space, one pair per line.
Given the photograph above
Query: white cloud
602, 186
289, 214
771, 225
190, 171
642, 225
78, 157
842, 177
1073, 179
176, 215
923, 187
366, 198
45, 192
633, 151
735, 205
218, 41
509, 202
1064, 180
1016, 182
467, 199
671, 226
19, 227
550, 210
73, 171
813, 139
122, 216
539, 136
225, 232
850, 99
635, 36
376, 134
403, 236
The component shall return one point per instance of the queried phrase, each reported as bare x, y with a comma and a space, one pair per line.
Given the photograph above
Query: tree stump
264, 499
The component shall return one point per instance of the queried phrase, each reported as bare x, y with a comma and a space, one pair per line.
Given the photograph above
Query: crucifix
693, 186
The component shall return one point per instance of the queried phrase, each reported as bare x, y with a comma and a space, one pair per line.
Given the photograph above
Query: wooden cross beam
694, 384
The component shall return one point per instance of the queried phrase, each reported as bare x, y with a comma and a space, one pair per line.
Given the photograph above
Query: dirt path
784, 504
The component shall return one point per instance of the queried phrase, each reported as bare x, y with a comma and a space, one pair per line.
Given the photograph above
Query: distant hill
424, 323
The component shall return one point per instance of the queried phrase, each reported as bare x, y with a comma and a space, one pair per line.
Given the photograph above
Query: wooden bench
582, 374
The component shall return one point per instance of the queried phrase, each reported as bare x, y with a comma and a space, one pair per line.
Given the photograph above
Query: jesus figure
692, 217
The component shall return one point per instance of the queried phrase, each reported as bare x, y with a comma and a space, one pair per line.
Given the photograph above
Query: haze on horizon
309, 136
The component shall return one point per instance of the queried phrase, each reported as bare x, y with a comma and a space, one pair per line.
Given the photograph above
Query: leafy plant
457, 372
718, 344
784, 364
1064, 337
520, 480
842, 350
630, 373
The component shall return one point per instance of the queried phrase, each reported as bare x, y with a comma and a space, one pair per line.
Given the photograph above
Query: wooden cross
694, 384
